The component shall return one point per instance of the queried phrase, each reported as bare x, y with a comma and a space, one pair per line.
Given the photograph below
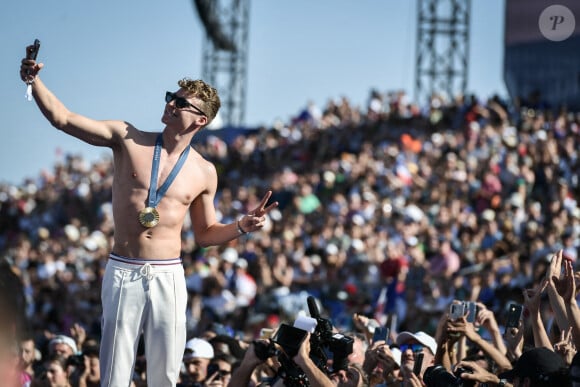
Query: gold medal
149, 217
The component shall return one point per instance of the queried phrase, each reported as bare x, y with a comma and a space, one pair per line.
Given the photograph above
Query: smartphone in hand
456, 311
418, 363
513, 316
381, 333
471, 310
32, 52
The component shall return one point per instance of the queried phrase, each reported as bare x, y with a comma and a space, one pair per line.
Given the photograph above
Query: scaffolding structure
442, 52
225, 53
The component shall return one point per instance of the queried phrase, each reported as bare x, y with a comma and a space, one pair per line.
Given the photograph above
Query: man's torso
133, 162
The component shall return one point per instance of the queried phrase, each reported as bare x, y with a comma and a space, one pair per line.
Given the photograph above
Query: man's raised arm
100, 133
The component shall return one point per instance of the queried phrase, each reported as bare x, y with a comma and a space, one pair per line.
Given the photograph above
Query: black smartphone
513, 316
212, 368
381, 333
33, 51
418, 363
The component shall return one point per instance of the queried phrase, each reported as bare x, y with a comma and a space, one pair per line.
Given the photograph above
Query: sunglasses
412, 347
181, 103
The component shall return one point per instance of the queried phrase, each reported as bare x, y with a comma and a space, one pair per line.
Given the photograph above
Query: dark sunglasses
181, 103
412, 347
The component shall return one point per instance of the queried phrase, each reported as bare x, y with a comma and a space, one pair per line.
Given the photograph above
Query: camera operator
315, 376
242, 376
351, 376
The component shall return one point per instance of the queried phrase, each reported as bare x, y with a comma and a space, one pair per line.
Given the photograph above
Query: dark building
542, 53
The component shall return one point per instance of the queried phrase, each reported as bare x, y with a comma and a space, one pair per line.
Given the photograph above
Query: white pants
149, 297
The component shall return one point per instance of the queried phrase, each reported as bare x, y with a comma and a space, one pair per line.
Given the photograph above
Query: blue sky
111, 59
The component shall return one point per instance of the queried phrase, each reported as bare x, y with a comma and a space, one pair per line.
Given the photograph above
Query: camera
324, 345
323, 340
289, 338
264, 350
438, 376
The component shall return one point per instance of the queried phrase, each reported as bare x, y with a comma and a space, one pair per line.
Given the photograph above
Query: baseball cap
538, 364
420, 336
198, 348
62, 339
230, 255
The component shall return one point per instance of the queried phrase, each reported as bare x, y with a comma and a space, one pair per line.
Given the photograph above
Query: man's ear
202, 120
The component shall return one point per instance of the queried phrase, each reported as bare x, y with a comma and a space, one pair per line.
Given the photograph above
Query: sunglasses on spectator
181, 103
412, 347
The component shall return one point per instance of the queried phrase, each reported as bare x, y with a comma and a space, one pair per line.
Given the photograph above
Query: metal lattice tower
442, 55
225, 50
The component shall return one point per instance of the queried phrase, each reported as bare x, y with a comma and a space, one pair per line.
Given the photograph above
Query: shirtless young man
143, 287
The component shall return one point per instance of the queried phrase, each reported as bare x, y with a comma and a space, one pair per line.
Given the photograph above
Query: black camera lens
438, 376
264, 350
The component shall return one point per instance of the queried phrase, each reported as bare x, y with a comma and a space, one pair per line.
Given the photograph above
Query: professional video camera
323, 340
324, 345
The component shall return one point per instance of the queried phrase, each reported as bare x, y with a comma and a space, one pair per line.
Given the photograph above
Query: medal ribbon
155, 194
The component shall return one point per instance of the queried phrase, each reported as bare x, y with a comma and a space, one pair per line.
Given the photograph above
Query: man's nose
409, 352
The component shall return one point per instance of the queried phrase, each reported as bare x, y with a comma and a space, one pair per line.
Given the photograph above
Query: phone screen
381, 333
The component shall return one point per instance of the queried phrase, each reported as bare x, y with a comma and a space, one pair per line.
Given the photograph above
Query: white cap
421, 337
230, 255
62, 339
198, 348
241, 263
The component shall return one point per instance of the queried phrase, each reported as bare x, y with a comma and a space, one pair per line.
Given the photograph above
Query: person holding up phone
460, 327
417, 353
158, 179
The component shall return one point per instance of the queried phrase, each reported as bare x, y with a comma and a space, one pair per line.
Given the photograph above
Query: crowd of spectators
390, 211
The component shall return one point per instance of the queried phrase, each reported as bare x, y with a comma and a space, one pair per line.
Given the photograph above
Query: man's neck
176, 142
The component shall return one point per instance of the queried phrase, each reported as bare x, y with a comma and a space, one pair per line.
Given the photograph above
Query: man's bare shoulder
131, 135
204, 165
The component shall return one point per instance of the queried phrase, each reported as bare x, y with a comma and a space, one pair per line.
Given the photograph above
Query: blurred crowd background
390, 210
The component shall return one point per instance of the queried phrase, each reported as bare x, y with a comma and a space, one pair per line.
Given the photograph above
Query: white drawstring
147, 271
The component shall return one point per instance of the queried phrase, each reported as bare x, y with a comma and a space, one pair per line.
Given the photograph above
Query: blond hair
210, 100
